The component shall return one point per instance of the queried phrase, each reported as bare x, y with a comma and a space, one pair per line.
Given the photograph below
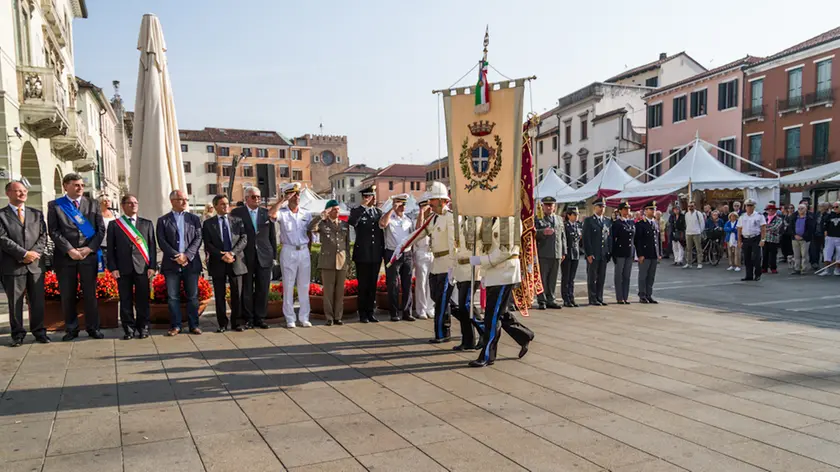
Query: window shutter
721, 95
674, 112
735, 93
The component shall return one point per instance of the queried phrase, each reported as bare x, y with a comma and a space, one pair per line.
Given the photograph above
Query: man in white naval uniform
294, 256
469, 243
423, 305
500, 268
442, 233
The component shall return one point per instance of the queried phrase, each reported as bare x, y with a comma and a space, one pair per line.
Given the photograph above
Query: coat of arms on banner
481, 161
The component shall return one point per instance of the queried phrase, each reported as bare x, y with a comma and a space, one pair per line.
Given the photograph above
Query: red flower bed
351, 287
205, 290
106, 286
316, 290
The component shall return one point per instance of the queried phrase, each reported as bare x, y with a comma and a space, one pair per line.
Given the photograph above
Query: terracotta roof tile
232, 135
829, 35
403, 170
358, 169
742, 62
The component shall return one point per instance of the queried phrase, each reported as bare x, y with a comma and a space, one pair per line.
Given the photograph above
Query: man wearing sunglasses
260, 254
752, 229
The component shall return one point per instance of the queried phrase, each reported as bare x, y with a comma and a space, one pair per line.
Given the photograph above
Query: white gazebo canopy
612, 178
311, 202
834, 179
553, 186
813, 175
698, 170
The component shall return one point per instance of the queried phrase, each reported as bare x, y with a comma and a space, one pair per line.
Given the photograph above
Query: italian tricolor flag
134, 235
482, 90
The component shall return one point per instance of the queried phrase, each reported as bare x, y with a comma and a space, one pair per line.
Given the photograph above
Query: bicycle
712, 250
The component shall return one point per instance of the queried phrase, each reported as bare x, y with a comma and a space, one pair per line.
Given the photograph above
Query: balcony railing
42, 101
754, 112
791, 104
820, 97
76, 144
55, 21
804, 162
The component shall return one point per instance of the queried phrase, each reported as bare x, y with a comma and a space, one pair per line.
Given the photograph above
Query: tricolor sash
134, 236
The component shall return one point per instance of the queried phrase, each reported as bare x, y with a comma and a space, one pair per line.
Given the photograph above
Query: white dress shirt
293, 227
751, 224
398, 230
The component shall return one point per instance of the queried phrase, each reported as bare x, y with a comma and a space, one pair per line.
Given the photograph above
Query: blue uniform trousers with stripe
464, 314
498, 317
441, 294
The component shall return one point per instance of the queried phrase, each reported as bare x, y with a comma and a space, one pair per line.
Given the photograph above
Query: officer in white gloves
501, 272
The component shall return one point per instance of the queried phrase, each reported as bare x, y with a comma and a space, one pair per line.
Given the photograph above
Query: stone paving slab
670, 387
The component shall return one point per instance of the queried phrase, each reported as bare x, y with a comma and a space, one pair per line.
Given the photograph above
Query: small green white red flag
482, 90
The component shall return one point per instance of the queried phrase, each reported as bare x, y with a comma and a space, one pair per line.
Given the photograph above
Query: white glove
475, 260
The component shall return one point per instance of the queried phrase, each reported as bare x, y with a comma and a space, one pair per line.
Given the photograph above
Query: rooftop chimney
663, 55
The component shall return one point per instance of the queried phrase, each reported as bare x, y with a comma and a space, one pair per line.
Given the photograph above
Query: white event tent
699, 170
553, 186
829, 172
611, 180
311, 202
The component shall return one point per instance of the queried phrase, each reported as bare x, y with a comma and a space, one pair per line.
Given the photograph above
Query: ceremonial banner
531, 285
484, 140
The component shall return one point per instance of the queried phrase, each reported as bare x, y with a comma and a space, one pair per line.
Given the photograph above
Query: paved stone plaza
643, 388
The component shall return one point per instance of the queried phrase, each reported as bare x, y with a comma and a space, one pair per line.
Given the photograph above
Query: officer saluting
368, 251
623, 233
442, 232
569, 266
647, 249
596, 245
551, 248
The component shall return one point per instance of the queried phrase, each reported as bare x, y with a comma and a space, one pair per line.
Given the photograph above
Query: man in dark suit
23, 238
260, 253
596, 246
77, 229
225, 240
368, 251
179, 238
132, 259
551, 248
648, 251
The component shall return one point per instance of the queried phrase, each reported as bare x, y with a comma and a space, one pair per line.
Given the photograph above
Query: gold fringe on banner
531, 285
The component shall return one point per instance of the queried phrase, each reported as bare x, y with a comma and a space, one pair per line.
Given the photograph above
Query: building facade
122, 136
266, 159
41, 133
708, 105
99, 170
788, 117
345, 185
438, 171
603, 120
329, 156
396, 179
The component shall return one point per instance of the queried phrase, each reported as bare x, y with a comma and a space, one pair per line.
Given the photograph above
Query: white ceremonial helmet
438, 190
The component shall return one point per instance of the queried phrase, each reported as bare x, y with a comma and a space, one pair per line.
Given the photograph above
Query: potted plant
159, 308
351, 296
275, 302
316, 298
107, 297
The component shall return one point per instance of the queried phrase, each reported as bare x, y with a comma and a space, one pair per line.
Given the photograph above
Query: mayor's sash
78, 219
134, 236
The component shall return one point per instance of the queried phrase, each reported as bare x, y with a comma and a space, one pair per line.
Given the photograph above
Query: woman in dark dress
676, 233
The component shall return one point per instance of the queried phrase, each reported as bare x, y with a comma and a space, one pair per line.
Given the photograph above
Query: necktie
226, 235
20, 214
254, 219
76, 204
133, 223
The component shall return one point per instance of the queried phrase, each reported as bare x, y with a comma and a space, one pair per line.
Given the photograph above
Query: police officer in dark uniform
623, 233
569, 266
648, 251
368, 251
551, 248
596, 246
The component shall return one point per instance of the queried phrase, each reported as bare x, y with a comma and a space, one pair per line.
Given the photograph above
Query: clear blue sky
366, 68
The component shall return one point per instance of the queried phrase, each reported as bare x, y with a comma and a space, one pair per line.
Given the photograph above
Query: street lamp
234, 164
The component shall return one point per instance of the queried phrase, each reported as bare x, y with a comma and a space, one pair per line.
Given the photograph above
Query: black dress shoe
440, 340
575, 305
128, 336
746, 279
554, 306
651, 300
408, 318
757, 278
70, 335
541, 306
462, 347
524, 349
261, 325
239, 328
364, 320
373, 319
478, 363
248, 325
602, 303
643, 300
567, 304
221, 329
43, 339
96, 334
339, 322
16, 342
329, 323
395, 318
143, 334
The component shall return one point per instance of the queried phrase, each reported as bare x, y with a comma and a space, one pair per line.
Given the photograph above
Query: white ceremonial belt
296, 247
